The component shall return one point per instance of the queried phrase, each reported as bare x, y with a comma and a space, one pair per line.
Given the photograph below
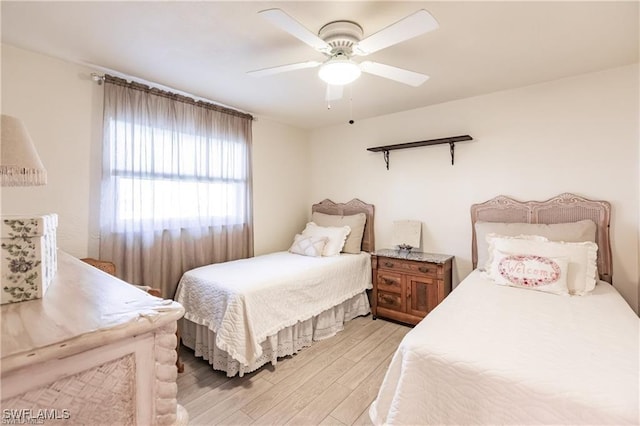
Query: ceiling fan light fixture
339, 72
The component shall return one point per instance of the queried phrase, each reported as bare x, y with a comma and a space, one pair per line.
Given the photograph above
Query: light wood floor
333, 382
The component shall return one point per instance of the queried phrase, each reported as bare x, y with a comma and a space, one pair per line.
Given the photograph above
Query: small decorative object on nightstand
408, 285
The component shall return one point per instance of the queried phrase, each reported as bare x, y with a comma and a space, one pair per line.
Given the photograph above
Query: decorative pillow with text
581, 258
530, 271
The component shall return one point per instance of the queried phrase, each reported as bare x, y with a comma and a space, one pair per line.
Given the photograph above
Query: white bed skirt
287, 341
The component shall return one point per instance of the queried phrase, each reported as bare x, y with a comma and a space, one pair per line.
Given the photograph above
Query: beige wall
575, 135
56, 100
281, 162
62, 109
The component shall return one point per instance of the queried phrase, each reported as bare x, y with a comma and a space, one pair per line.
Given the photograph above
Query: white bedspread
500, 355
245, 301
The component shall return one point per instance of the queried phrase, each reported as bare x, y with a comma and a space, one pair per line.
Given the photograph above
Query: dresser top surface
82, 304
414, 255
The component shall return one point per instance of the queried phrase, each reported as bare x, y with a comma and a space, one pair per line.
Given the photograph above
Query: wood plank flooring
333, 382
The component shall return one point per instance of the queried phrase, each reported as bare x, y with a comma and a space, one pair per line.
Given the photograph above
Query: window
176, 179
176, 184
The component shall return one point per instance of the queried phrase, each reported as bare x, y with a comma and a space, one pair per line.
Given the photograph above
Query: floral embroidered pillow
308, 246
530, 271
581, 258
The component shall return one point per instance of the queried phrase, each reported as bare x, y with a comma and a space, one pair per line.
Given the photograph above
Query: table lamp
29, 258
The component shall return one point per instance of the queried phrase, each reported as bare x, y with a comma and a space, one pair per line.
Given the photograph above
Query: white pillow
336, 237
581, 257
546, 274
575, 232
356, 222
308, 246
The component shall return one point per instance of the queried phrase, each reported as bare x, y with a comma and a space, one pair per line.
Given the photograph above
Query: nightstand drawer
389, 263
408, 265
390, 301
423, 268
390, 282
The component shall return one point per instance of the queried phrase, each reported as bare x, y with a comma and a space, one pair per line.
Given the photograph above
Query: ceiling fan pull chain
351, 105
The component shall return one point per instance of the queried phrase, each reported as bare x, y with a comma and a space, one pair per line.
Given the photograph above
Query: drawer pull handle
389, 281
423, 269
388, 299
388, 264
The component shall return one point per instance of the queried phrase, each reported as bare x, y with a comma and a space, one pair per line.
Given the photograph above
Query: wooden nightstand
408, 285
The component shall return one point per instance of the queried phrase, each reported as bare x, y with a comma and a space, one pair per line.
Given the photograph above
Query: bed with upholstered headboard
243, 314
533, 338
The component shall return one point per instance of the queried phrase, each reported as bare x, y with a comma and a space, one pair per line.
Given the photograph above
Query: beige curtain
176, 184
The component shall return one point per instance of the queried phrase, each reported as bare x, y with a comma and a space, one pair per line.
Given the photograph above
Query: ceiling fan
341, 40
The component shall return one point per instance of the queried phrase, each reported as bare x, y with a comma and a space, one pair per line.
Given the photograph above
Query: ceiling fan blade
284, 68
285, 22
393, 73
412, 26
333, 92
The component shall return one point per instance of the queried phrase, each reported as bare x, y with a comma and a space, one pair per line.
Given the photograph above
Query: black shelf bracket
451, 141
452, 149
385, 155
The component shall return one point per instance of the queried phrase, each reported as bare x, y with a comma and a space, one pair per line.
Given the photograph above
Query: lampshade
19, 161
339, 71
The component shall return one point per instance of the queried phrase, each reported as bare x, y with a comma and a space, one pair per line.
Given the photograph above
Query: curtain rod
167, 94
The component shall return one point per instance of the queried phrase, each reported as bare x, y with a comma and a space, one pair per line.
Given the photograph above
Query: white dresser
95, 350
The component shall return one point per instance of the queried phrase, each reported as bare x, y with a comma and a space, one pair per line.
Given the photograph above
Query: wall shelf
451, 141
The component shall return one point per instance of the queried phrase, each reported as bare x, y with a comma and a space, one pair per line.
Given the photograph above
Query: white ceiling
205, 48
